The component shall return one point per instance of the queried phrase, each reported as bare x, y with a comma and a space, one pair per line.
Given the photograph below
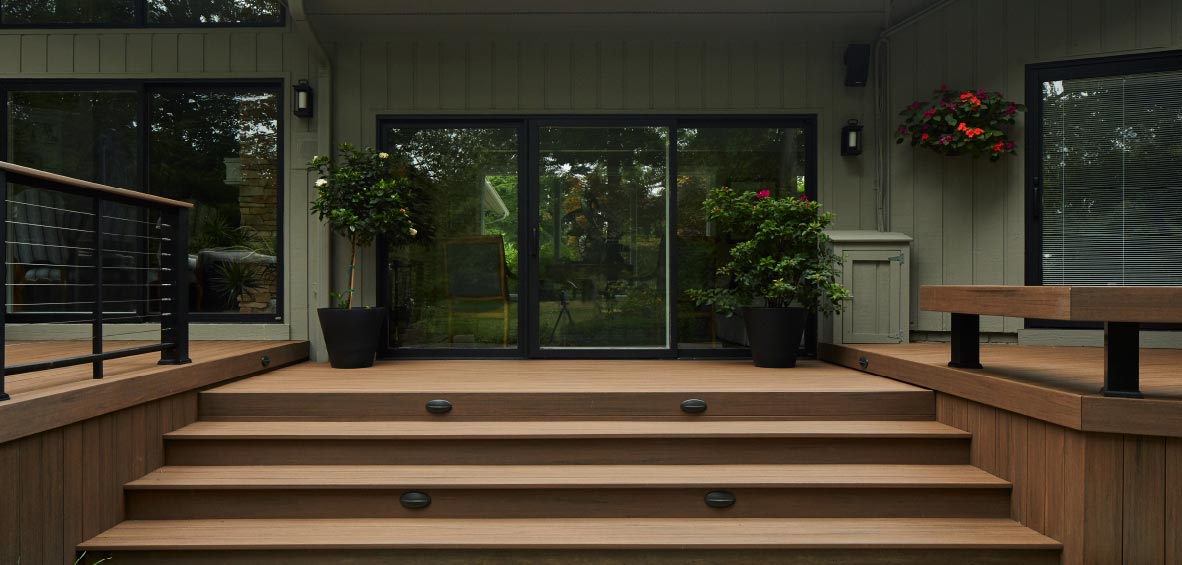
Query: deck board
1055, 384
564, 376
45, 400
566, 476
702, 533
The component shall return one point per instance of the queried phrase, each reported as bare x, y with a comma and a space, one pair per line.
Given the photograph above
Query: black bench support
1122, 362
966, 341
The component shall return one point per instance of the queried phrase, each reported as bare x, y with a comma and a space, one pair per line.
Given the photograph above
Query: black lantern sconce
303, 99
851, 139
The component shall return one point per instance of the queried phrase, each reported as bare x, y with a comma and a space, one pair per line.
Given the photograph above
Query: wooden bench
1122, 309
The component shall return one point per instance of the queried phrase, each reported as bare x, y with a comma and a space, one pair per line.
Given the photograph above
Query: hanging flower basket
960, 122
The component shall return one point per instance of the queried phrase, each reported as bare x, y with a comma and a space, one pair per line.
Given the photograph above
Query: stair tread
566, 476
206, 430
668, 533
564, 376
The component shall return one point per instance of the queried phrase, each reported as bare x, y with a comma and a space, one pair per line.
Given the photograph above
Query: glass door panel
459, 290
742, 158
602, 226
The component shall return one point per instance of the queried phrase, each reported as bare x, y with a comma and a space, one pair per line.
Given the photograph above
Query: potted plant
955, 122
780, 267
361, 198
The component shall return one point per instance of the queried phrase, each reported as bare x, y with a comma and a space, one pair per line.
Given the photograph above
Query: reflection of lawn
595, 325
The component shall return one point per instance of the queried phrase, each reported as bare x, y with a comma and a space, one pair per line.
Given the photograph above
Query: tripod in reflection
564, 311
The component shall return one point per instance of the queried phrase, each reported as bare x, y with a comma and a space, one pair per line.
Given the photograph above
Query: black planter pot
774, 334
352, 335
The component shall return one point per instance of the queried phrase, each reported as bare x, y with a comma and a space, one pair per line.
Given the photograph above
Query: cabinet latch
898, 258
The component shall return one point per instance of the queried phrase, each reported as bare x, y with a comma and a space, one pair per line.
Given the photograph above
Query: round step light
693, 406
415, 500
720, 499
439, 406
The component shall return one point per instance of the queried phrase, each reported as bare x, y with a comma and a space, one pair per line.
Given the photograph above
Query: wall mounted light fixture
851, 138
303, 99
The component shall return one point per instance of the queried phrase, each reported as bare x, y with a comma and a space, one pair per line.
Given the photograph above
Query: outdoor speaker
857, 64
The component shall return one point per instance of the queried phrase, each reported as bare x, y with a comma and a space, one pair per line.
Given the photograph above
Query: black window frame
528, 125
143, 90
141, 21
1036, 75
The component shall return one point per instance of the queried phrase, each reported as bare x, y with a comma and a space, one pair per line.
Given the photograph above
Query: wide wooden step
558, 491
566, 442
521, 390
581, 540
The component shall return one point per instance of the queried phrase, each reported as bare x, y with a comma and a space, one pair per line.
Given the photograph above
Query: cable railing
77, 253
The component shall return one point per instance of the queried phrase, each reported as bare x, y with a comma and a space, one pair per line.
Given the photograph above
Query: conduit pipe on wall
882, 111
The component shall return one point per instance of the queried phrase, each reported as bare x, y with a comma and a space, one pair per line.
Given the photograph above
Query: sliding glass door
602, 231
576, 237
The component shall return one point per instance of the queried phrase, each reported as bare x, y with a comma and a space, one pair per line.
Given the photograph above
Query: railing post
3, 278
100, 209
174, 256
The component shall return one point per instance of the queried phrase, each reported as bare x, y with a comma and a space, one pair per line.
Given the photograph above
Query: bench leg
966, 341
1122, 361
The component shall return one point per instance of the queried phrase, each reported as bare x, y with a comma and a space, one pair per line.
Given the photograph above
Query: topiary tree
361, 198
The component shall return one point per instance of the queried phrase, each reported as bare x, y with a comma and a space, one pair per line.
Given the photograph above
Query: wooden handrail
125, 193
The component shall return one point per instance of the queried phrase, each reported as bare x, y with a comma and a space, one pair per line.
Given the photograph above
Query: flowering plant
957, 122
782, 255
361, 197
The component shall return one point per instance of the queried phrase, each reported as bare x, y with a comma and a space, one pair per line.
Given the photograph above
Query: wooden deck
45, 400
1056, 384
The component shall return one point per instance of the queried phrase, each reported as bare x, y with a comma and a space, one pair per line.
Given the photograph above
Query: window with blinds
1112, 180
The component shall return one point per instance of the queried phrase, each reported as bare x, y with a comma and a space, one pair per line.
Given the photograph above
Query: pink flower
804, 198
763, 194
945, 139
929, 113
943, 87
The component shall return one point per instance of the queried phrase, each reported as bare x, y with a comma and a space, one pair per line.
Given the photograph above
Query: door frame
528, 127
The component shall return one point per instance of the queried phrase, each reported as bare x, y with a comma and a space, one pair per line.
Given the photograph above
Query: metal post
174, 319
3, 277
100, 209
1122, 361
966, 341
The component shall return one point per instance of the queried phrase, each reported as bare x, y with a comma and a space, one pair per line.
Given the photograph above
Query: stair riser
870, 556
923, 451
918, 404
571, 503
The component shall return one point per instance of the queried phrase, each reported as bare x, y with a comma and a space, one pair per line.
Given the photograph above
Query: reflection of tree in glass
86, 135
69, 11
214, 11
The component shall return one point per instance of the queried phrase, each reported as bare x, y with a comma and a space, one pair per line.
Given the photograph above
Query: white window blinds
1112, 180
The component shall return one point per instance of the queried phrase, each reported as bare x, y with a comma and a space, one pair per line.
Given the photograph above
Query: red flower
1011, 109
924, 137
999, 147
915, 106
763, 194
929, 113
804, 198
943, 87
962, 127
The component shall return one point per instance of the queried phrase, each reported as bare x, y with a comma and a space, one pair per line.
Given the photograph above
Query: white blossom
383, 155
414, 232
321, 182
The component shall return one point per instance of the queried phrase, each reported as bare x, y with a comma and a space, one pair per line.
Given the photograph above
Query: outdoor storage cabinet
875, 268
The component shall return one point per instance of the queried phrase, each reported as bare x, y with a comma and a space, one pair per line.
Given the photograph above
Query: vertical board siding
968, 217
443, 75
65, 485
1108, 498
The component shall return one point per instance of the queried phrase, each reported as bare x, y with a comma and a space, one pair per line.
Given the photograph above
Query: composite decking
569, 461
1055, 384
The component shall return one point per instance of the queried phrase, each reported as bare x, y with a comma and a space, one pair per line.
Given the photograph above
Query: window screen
1112, 180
